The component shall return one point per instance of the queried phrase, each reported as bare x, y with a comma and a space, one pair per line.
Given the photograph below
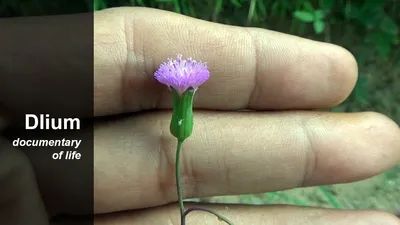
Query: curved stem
220, 217
180, 200
177, 175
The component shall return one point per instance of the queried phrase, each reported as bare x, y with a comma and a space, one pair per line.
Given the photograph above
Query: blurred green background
369, 29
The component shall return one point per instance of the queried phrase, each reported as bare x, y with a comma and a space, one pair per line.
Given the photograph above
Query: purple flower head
181, 74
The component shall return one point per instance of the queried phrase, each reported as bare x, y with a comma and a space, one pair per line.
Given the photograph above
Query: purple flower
182, 74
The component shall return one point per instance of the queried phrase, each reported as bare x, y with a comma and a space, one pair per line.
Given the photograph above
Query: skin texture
284, 144
259, 69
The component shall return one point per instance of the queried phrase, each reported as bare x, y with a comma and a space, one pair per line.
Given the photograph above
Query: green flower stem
179, 191
178, 179
220, 217
182, 127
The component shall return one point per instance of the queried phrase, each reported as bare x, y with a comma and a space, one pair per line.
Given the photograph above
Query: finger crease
125, 69
311, 155
254, 93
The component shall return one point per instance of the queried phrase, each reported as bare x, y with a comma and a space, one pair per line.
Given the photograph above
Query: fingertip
303, 73
386, 134
345, 68
353, 147
383, 130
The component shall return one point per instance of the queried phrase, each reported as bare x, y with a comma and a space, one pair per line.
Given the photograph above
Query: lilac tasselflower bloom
181, 74
183, 77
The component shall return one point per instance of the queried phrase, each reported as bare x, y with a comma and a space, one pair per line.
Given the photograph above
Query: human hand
230, 152
285, 144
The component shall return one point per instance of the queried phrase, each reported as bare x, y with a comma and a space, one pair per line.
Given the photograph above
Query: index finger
250, 68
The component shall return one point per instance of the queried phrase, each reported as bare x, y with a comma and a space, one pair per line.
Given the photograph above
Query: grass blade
330, 197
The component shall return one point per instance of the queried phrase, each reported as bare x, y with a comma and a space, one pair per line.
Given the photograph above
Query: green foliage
304, 16
381, 26
330, 197
99, 5
311, 15
281, 196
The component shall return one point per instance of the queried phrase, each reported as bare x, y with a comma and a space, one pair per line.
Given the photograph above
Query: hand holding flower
282, 143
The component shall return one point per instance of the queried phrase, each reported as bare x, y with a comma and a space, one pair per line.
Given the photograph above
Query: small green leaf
177, 6
218, 7
319, 14
236, 3
261, 7
140, 2
99, 5
274, 8
304, 16
319, 26
290, 199
331, 198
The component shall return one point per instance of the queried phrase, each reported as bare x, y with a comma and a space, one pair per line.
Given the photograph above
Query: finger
134, 157
20, 201
263, 215
237, 153
250, 68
